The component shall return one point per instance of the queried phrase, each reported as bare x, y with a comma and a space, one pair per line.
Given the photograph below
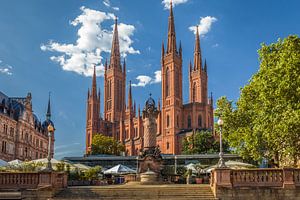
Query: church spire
171, 46
94, 84
129, 97
197, 52
48, 114
115, 49
205, 66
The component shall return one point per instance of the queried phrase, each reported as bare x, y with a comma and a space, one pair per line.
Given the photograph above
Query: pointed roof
115, 48
129, 96
94, 83
205, 66
171, 46
197, 52
48, 114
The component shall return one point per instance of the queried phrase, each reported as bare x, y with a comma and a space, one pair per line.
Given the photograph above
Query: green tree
201, 142
106, 145
265, 122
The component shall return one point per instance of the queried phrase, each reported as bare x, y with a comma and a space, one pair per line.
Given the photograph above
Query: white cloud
144, 80
174, 2
92, 41
204, 25
108, 4
5, 68
215, 45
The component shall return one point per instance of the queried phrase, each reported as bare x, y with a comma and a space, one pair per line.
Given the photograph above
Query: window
199, 121
12, 131
168, 120
3, 147
189, 122
168, 82
177, 121
168, 145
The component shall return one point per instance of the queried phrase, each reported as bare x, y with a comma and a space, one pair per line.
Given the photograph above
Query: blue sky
38, 38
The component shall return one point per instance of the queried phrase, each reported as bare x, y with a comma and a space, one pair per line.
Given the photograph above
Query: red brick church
124, 122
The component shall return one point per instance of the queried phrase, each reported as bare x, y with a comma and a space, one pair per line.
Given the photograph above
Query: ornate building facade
22, 135
175, 119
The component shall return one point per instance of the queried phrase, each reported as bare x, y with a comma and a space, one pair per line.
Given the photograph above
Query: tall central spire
115, 49
197, 52
94, 84
171, 46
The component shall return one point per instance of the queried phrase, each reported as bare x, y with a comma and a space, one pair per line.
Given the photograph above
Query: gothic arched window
167, 82
199, 121
189, 122
168, 120
177, 120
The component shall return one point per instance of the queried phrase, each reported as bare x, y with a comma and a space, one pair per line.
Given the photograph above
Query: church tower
171, 89
93, 113
198, 75
114, 82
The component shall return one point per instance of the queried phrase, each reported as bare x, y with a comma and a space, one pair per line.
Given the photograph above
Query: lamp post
50, 131
175, 166
221, 163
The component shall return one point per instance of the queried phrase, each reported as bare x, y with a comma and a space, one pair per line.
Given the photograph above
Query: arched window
189, 122
168, 120
199, 121
194, 92
168, 145
177, 121
167, 82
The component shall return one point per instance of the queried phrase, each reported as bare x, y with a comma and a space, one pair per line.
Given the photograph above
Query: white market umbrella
3, 163
15, 162
191, 166
45, 160
232, 165
120, 169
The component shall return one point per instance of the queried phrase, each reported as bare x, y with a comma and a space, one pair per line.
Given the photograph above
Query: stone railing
231, 178
34, 180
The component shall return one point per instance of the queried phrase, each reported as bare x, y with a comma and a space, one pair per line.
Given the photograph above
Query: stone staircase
141, 192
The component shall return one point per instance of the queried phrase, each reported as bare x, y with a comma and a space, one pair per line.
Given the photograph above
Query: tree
201, 142
106, 145
265, 122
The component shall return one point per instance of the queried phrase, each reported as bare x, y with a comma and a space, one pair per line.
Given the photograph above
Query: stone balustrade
286, 177
32, 180
227, 182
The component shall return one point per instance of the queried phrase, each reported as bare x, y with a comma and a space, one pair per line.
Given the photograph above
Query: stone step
10, 195
124, 192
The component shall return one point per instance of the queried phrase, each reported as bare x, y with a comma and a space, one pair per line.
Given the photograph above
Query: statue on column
150, 159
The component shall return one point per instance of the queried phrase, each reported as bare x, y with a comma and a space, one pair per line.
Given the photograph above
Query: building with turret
175, 120
23, 135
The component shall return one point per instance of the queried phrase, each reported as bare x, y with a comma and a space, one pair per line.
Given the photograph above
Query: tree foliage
201, 142
102, 144
265, 122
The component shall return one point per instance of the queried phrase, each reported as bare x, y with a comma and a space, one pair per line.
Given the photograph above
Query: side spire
205, 66
171, 46
197, 52
48, 114
115, 49
129, 97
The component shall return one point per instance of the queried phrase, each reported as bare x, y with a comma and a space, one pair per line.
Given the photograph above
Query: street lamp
221, 163
50, 131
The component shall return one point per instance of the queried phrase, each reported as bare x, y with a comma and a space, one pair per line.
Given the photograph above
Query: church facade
175, 120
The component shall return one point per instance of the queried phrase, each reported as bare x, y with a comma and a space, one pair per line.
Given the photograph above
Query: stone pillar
288, 178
